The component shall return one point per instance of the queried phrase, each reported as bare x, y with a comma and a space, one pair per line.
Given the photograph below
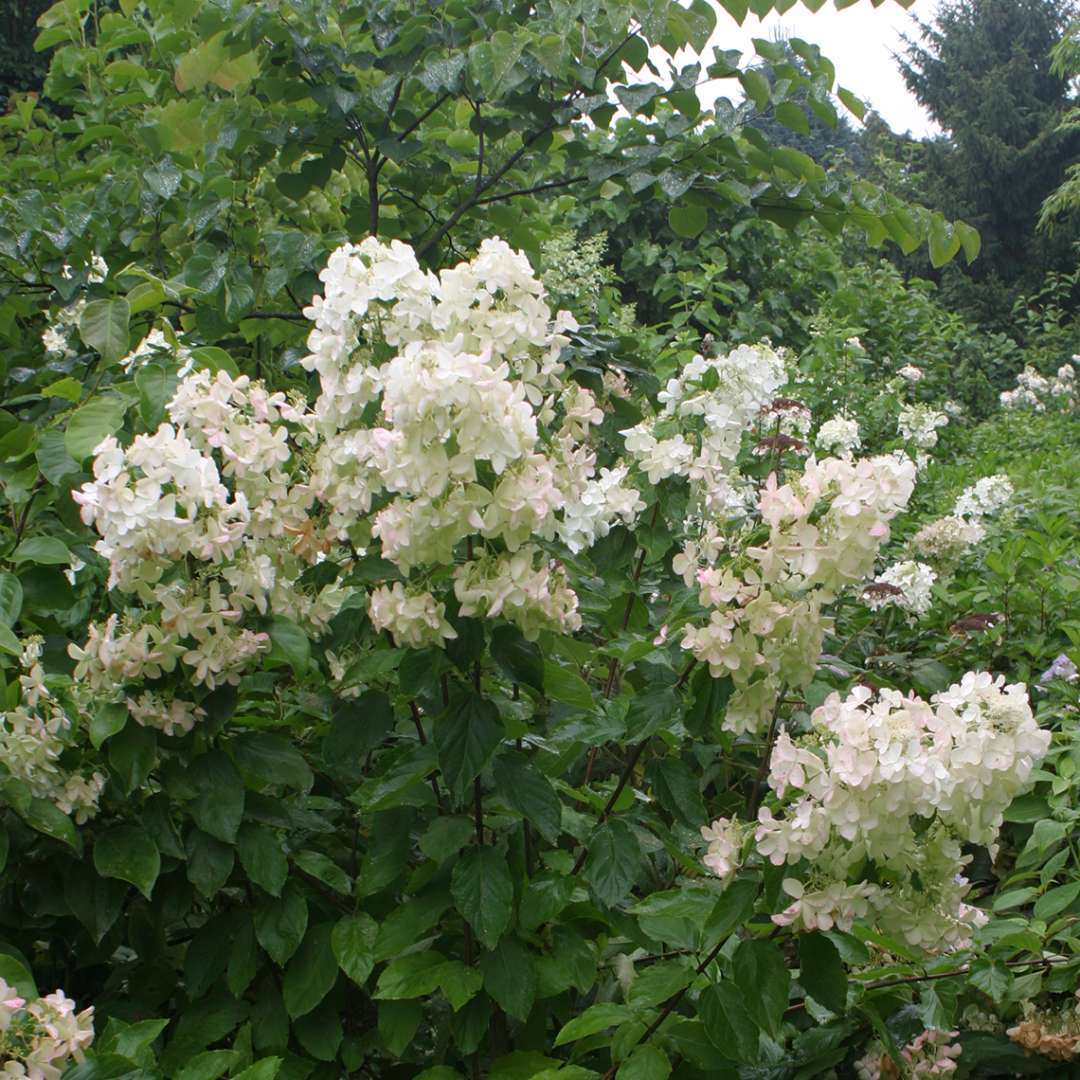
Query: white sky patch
860, 41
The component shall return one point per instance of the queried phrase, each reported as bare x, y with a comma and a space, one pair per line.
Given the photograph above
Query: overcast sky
860, 41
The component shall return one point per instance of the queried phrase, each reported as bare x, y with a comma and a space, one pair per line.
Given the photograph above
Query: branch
624, 779
531, 190
474, 199
422, 117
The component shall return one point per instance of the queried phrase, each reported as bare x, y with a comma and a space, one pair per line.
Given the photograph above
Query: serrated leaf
483, 893
465, 740
509, 977
353, 941
613, 861
530, 793
763, 977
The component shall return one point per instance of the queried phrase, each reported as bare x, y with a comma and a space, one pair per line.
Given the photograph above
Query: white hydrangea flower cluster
909, 584
40, 1038
443, 393
945, 540
840, 435
902, 783
35, 734
986, 497
918, 424
207, 522
766, 626
706, 410
910, 373
159, 345
1039, 393
573, 272
62, 328
414, 618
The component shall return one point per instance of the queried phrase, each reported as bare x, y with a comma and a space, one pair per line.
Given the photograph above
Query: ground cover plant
448, 631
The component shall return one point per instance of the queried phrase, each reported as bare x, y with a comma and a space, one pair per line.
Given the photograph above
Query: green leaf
529, 792
47, 819
853, 104
324, 869
103, 327
483, 893
723, 1009
16, 975
43, 550
509, 977
219, 805
650, 712
209, 863
266, 1069
243, 959
262, 857
127, 853
132, 755
148, 294
991, 978
52, 457
562, 684
688, 221
281, 922
465, 740
67, 388
658, 982
678, 788
268, 760
647, 1062
763, 977
412, 976
732, 909
757, 88
353, 942
492, 62
108, 720
290, 644
11, 599
520, 659
311, 973
1056, 900
612, 864
594, 1019
398, 1022
156, 386
821, 972
92, 422
791, 116
208, 1065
